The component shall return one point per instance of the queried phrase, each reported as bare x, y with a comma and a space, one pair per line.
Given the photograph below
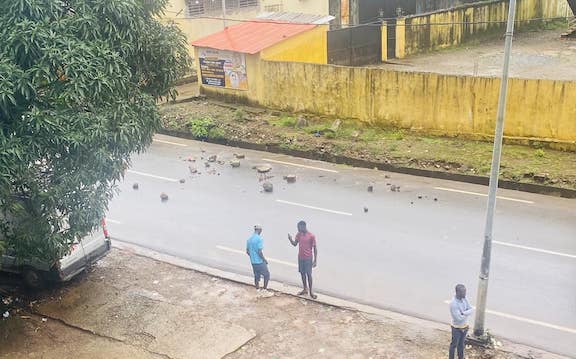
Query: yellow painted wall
421, 36
310, 46
428, 102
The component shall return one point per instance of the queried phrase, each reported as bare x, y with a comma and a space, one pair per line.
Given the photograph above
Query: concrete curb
355, 162
378, 313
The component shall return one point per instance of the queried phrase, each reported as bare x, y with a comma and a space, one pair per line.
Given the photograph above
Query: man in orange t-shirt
307, 256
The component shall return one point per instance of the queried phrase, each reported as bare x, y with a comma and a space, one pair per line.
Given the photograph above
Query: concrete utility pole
488, 230
224, 12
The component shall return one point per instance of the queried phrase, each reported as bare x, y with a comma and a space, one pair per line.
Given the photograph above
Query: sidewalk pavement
142, 304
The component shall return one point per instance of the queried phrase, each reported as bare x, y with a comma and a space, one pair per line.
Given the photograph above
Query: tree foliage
79, 81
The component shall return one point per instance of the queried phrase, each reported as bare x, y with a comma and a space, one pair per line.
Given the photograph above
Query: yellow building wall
432, 103
317, 7
420, 35
310, 46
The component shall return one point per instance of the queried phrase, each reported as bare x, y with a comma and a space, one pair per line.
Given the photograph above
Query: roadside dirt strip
133, 306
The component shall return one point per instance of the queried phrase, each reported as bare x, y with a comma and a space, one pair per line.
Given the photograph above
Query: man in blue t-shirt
254, 247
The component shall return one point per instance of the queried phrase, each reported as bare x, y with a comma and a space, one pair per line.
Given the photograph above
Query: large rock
541, 177
263, 168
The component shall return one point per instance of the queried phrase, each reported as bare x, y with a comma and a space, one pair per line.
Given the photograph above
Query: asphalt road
406, 253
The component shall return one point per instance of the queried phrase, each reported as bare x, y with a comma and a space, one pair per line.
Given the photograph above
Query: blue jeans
458, 338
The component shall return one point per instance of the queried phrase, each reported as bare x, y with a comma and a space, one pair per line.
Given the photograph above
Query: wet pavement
535, 55
130, 306
403, 250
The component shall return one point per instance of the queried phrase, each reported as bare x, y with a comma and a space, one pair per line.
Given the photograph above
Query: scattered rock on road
365, 209
239, 156
212, 158
268, 187
235, 163
135, 186
290, 178
163, 197
182, 180
193, 170
263, 168
394, 188
370, 188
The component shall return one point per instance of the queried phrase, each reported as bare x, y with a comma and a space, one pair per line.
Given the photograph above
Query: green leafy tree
79, 81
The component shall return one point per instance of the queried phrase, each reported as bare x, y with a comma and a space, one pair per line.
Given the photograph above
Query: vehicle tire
33, 279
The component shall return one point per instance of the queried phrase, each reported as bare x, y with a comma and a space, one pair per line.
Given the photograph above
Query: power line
374, 23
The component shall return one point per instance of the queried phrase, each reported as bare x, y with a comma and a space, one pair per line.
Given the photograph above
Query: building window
196, 8
273, 8
247, 3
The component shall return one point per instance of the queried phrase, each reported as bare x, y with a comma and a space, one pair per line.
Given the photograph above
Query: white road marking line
483, 195
109, 220
152, 176
299, 165
228, 249
170, 143
312, 207
535, 249
527, 320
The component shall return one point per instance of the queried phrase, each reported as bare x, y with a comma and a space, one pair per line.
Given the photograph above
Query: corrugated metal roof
251, 37
297, 17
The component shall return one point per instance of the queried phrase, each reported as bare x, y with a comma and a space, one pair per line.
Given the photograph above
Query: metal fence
355, 46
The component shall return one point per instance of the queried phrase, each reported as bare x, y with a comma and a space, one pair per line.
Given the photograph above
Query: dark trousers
261, 270
458, 337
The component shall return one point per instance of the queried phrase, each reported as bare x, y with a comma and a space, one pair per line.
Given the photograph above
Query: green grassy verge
389, 145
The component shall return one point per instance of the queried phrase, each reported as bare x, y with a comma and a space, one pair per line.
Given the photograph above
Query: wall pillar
401, 38
354, 12
384, 41
335, 9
